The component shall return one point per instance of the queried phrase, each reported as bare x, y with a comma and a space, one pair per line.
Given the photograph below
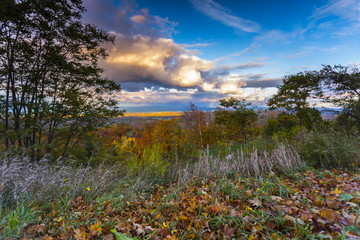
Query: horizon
169, 53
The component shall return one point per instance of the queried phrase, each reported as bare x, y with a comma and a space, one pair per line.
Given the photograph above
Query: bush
329, 149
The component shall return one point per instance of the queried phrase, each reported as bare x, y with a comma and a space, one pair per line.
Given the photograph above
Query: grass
248, 195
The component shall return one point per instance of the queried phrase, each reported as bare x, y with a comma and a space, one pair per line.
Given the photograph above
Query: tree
195, 123
50, 82
237, 116
295, 91
343, 82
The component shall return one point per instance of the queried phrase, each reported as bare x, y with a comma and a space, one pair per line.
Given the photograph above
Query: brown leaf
255, 202
328, 215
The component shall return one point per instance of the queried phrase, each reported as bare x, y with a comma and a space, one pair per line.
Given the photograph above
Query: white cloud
217, 12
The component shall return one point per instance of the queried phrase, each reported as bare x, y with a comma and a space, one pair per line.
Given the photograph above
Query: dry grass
19, 177
283, 159
43, 181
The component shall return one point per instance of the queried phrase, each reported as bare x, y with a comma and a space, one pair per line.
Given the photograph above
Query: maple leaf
336, 191
95, 229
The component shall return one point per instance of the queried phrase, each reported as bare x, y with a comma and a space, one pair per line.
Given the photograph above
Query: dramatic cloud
143, 59
152, 68
217, 12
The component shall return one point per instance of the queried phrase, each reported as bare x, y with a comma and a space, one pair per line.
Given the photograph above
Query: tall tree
49, 73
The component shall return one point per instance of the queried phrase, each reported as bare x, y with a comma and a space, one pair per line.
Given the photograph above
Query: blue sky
170, 53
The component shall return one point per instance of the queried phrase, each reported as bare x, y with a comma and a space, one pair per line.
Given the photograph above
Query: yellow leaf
252, 237
95, 229
337, 191
183, 217
249, 209
95, 226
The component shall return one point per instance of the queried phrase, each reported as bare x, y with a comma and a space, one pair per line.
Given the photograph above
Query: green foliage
151, 162
293, 94
344, 84
284, 126
329, 149
239, 120
121, 236
53, 91
12, 221
308, 117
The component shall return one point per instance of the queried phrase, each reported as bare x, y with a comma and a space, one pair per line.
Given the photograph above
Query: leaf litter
322, 204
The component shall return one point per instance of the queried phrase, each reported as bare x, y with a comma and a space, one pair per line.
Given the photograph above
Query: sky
170, 53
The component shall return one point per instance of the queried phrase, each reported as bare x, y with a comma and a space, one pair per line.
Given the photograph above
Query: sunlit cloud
161, 61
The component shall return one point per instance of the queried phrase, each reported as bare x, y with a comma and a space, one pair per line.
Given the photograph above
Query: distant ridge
153, 114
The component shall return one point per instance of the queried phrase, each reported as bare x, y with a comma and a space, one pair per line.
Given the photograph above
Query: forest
71, 168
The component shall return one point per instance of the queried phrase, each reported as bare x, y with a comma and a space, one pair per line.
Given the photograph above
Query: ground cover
306, 205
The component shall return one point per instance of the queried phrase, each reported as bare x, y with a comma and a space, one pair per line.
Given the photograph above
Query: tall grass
283, 159
21, 178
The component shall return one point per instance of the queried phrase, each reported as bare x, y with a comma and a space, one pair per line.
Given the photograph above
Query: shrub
329, 149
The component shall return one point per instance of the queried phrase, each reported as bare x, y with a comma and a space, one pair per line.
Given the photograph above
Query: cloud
275, 37
349, 9
156, 95
263, 83
205, 44
298, 54
249, 65
161, 61
217, 12
344, 9
309, 50
127, 19
152, 68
